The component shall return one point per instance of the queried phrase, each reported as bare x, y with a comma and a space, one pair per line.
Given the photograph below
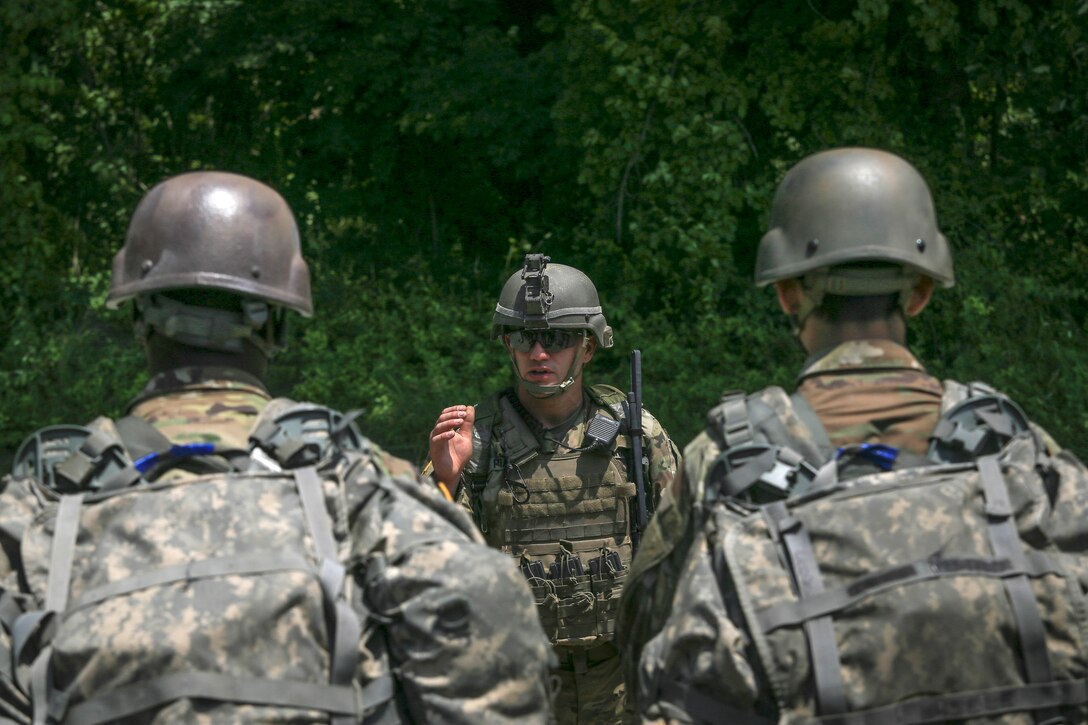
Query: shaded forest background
425, 145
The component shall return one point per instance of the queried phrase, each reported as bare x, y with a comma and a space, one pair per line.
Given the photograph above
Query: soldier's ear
591, 347
920, 296
790, 295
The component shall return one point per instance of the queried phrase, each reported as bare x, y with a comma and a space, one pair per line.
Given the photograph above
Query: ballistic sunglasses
550, 340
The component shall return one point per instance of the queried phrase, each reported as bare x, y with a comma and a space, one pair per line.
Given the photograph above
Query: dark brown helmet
210, 229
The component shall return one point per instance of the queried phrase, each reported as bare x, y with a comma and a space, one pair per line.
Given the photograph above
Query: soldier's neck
820, 334
553, 411
164, 354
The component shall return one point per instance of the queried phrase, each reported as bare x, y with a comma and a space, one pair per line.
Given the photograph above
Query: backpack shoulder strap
71, 459
728, 423
769, 417
767, 449
975, 421
139, 437
815, 428
292, 434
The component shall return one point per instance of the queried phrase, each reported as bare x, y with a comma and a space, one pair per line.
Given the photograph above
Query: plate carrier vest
564, 515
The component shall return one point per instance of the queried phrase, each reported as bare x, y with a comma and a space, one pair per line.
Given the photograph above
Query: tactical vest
916, 591
563, 515
219, 596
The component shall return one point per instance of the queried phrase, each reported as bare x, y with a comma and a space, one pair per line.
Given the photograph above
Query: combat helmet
851, 222
545, 296
211, 230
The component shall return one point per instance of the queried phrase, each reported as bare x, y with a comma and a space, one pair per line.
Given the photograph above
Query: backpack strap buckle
306, 435
977, 426
759, 474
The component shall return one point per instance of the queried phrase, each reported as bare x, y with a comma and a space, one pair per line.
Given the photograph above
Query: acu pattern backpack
926, 590
221, 596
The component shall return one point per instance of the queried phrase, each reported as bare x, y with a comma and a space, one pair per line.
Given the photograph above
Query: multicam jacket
563, 510
701, 661
449, 616
865, 391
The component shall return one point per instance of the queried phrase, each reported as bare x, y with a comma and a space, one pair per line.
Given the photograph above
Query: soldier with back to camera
876, 546
217, 555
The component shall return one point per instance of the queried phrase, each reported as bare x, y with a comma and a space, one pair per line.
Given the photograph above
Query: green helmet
854, 221
211, 230
546, 296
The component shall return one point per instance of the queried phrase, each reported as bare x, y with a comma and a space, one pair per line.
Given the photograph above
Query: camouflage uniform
216, 405
590, 674
457, 623
863, 391
860, 584
869, 391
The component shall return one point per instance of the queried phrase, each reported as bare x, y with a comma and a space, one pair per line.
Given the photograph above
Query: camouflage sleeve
656, 569
699, 455
18, 505
661, 452
652, 581
1067, 524
695, 669
460, 624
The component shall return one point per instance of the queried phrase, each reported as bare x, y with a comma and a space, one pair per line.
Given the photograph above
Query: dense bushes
425, 145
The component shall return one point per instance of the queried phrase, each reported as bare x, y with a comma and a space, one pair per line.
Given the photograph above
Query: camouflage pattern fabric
595, 695
452, 618
705, 650
203, 405
216, 405
660, 451
658, 569
872, 391
716, 656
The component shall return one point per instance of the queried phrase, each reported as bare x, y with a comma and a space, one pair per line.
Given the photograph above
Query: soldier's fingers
453, 410
452, 415
447, 425
444, 436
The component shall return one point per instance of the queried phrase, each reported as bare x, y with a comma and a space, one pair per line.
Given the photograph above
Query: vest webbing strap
820, 632
1036, 564
964, 705
242, 565
133, 699
1005, 541
551, 534
65, 531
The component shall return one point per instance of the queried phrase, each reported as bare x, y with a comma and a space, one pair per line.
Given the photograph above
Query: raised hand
451, 442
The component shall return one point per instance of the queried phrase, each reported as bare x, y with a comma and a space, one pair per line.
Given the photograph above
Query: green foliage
426, 144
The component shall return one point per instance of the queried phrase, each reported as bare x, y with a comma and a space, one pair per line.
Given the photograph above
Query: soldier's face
549, 367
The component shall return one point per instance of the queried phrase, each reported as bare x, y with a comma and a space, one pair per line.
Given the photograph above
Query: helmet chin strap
550, 391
